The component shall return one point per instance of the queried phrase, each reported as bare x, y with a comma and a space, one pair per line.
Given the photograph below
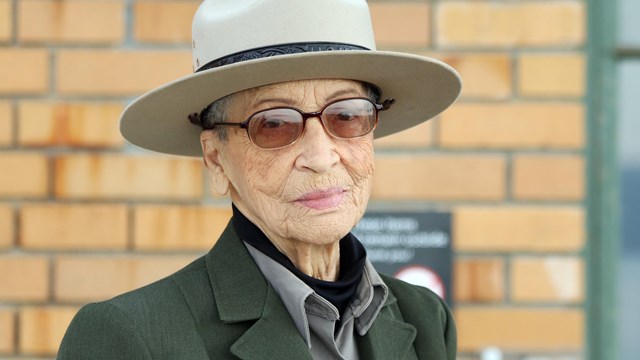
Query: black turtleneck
352, 260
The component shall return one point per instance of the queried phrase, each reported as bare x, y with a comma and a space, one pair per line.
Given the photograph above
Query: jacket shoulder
175, 289
94, 330
150, 322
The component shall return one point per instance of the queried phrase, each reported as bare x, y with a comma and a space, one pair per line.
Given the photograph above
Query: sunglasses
281, 126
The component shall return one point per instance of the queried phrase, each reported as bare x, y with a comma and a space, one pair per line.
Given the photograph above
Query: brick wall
83, 216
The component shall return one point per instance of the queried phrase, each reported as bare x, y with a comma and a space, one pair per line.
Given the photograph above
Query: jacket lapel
388, 337
242, 294
274, 336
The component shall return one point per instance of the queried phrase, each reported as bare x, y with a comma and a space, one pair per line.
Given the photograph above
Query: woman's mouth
322, 200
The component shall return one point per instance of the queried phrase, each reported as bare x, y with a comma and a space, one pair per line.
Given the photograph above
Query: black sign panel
412, 246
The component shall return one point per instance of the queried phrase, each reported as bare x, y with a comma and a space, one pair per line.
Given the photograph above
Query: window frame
602, 180
603, 247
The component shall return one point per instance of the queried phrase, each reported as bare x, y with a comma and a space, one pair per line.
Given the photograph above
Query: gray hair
216, 112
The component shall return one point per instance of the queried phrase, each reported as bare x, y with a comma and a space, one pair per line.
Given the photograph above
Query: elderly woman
296, 88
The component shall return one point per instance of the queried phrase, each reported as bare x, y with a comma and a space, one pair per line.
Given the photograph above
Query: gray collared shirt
316, 318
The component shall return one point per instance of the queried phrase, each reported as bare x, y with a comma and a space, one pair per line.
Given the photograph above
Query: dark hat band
277, 50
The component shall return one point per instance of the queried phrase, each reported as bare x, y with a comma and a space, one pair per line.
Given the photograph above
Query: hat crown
225, 27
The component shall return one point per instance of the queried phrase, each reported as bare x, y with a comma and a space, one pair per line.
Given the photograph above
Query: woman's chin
324, 227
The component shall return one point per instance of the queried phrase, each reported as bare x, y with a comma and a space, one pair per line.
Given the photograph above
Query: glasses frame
386, 104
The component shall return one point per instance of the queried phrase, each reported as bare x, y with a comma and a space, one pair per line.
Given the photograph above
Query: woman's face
313, 191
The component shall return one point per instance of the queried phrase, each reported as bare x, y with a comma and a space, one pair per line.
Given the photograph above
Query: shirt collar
298, 297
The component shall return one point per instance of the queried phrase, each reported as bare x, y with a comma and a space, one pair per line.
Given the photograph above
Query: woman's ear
211, 154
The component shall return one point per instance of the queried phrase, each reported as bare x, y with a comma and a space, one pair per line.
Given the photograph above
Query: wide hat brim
422, 87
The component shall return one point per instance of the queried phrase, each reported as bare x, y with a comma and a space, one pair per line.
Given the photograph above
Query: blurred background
539, 163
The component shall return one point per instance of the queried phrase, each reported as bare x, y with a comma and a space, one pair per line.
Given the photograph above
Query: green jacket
221, 307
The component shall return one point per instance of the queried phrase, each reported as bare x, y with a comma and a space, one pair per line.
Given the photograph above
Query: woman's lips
322, 200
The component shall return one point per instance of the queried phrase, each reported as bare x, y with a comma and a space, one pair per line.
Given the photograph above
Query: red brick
439, 177
520, 329
7, 331
69, 124
479, 280
552, 75
538, 229
24, 71
124, 177
169, 228
88, 278
387, 17
42, 328
491, 24
485, 75
23, 174
417, 137
485, 24
547, 279
83, 72
24, 278
557, 23
6, 123
513, 125
57, 226
547, 177
71, 21
7, 231
164, 22
6, 20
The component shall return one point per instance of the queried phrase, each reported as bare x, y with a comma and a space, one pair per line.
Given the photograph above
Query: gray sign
412, 246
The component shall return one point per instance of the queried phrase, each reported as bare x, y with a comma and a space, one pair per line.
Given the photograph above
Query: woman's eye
273, 123
345, 116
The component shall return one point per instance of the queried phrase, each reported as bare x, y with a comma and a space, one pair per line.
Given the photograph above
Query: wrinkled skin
266, 185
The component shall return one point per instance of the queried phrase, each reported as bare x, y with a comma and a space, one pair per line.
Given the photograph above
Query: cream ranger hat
242, 44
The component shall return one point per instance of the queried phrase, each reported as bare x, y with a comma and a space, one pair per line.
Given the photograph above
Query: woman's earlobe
220, 181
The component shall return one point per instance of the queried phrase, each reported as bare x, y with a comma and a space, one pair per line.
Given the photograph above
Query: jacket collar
242, 294
238, 286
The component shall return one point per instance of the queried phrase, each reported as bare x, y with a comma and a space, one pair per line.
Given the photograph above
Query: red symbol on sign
422, 276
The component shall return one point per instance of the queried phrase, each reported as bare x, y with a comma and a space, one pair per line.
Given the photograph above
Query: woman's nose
317, 149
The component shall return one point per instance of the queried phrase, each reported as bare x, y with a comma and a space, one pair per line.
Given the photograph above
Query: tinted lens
350, 118
275, 128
